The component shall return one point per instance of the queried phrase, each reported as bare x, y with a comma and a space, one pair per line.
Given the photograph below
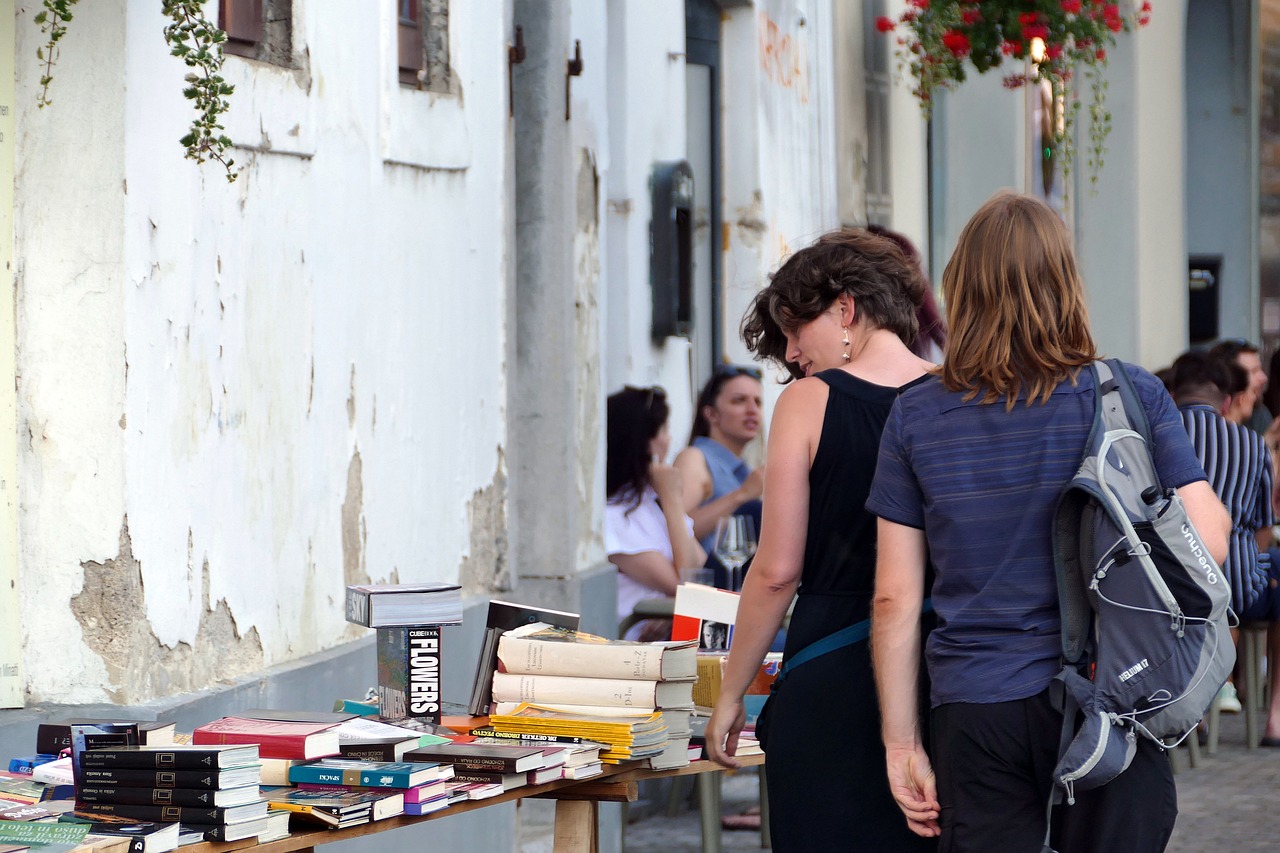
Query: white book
540, 649
568, 690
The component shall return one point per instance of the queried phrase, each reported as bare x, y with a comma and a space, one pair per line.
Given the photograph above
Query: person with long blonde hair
970, 469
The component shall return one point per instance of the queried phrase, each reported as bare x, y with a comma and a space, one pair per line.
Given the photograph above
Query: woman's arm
649, 568
775, 572
685, 550
895, 655
698, 486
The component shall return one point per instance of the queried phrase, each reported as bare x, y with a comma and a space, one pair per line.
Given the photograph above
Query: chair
1252, 679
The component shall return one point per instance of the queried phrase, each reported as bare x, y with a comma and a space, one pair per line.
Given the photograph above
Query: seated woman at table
646, 532
717, 481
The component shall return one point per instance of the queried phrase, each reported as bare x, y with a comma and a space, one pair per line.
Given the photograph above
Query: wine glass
735, 543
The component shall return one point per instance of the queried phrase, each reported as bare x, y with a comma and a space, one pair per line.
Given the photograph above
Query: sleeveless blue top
727, 473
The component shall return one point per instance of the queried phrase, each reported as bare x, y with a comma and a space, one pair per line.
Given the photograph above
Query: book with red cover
274, 739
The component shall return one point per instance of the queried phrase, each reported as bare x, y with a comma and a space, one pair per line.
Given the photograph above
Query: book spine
324, 815
369, 751
527, 737
531, 656
409, 672
323, 775
381, 779
151, 759
146, 778
567, 690
474, 763
159, 814
486, 777
358, 609
269, 745
146, 796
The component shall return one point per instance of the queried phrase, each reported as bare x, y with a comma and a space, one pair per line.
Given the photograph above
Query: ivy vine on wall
193, 39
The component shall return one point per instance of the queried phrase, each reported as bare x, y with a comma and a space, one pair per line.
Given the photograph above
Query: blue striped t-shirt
1239, 468
982, 483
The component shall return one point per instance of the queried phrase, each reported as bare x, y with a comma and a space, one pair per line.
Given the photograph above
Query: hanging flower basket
940, 41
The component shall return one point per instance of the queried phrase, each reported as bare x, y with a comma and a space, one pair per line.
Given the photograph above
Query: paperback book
568, 690
368, 774
409, 672
477, 756
541, 649
387, 605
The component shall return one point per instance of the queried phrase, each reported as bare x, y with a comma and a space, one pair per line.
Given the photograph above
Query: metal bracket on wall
515, 55
573, 69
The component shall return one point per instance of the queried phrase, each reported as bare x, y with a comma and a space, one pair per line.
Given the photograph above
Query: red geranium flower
1071, 7
884, 24
956, 42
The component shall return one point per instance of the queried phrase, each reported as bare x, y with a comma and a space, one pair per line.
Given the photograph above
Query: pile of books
408, 619
213, 789
341, 792
486, 767
635, 698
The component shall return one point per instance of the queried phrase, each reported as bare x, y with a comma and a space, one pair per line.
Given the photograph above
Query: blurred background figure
717, 481
1247, 356
646, 532
931, 336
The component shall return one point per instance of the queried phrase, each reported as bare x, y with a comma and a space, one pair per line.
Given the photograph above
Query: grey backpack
1145, 609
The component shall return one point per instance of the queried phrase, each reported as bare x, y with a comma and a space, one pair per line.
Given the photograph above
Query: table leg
577, 827
709, 806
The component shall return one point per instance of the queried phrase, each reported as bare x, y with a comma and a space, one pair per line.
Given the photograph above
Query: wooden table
576, 823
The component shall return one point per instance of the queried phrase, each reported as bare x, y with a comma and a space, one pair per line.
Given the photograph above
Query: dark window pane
241, 20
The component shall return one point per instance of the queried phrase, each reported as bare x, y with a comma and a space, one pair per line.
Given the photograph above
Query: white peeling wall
287, 383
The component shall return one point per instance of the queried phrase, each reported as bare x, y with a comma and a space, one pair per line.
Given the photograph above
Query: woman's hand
726, 723
668, 483
753, 486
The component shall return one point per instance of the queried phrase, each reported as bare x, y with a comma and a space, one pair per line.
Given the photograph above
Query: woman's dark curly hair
634, 416
886, 287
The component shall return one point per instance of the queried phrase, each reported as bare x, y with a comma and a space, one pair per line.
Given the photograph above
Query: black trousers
994, 766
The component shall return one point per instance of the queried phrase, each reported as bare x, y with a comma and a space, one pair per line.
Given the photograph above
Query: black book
178, 814
52, 738
504, 616
144, 836
86, 793
175, 757
235, 831
508, 758
142, 777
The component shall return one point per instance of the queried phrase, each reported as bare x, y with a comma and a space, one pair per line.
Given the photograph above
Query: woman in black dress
839, 315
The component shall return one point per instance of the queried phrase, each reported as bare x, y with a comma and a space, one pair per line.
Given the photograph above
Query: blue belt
855, 633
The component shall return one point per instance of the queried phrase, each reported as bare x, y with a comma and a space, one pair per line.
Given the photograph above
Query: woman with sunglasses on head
646, 532
839, 315
717, 481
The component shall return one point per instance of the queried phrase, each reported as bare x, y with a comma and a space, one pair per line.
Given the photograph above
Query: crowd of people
913, 469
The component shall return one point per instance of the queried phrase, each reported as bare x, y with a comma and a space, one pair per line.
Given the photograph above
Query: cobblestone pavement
1229, 804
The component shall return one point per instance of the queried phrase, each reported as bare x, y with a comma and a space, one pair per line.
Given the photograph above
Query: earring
846, 343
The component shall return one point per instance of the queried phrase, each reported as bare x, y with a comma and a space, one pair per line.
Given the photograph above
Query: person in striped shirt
1239, 467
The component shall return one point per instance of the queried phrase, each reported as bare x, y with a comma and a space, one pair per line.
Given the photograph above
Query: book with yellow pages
625, 733
541, 649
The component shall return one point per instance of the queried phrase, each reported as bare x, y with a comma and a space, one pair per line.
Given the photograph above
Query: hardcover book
178, 814
539, 649
52, 738
427, 807
494, 777
147, 836
409, 672
87, 793
274, 739
568, 690
505, 616
697, 606
141, 777
234, 831
175, 757
368, 774
386, 605
482, 756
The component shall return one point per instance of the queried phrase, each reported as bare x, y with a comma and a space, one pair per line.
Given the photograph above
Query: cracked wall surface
110, 607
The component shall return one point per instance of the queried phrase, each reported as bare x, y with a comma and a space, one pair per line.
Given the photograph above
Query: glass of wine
735, 544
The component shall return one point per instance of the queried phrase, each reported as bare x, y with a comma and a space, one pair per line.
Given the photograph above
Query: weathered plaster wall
283, 384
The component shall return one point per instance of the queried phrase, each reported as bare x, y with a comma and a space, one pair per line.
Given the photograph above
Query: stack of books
212, 788
555, 669
485, 769
376, 789
408, 619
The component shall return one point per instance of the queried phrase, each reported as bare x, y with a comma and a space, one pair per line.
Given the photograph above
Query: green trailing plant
941, 41
193, 39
